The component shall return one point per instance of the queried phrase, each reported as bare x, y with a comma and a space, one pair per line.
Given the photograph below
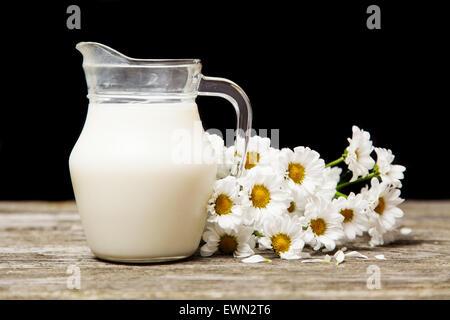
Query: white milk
136, 205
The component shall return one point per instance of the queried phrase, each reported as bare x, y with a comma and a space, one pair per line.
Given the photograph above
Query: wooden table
42, 246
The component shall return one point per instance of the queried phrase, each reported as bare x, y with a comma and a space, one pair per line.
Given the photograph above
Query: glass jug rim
146, 63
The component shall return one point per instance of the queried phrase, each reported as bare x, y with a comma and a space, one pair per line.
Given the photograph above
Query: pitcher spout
112, 76
98, 54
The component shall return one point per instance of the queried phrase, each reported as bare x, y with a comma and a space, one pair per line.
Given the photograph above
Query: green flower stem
368, 177
339, 194
258, 234
335, 162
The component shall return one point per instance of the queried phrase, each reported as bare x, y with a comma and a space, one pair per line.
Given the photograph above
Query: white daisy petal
405, 231
255, 259
218, 154
339, 256
243, 250
289, 256
316, 261
355, 254
207, 250
265, 243
380, 257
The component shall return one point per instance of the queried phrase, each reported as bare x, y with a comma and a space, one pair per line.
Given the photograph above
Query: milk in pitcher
123, 172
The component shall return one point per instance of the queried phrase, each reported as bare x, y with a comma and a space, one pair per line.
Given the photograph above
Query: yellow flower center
252, 159
348, 214
291, 207
296, 172
357, 154
280, 242
228, 244
380, 207
223, 204
318, 226
260, 196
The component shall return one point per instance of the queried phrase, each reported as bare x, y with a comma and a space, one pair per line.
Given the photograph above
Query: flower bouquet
288, 199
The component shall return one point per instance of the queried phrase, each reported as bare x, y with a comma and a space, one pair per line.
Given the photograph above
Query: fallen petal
314, 261
339, 256
405, 231
380, 257
356, 254
255, 259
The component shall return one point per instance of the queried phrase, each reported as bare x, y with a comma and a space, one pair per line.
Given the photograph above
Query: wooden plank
39, 241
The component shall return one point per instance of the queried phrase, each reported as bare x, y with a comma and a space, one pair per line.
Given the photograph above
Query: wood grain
40, 240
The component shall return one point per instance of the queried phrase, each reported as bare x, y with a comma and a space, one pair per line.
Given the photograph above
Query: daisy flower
358, 153
302, 169
383, 208
353, 209
238, 242
326, 190
258, 153
263, 194
324, 224
389, 173
297, 204
283, 234
224, 205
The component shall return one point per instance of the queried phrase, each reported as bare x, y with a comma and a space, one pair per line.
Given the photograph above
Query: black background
399, 309
310, 68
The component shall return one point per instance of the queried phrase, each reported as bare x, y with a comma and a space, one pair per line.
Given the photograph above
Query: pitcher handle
219, 87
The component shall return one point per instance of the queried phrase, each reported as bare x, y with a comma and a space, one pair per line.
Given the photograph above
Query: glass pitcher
137, 201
